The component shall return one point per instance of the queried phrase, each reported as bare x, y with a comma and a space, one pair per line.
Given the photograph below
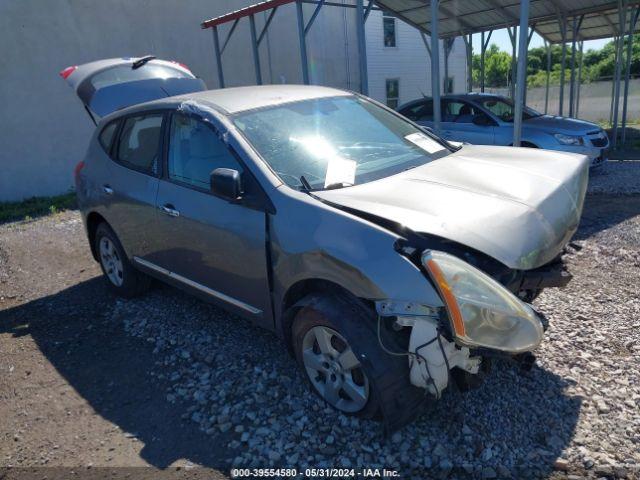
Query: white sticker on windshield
340, 170
427, 144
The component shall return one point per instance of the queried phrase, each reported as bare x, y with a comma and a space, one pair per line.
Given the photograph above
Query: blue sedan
486, 119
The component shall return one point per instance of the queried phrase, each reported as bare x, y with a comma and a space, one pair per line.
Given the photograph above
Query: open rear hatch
105, 86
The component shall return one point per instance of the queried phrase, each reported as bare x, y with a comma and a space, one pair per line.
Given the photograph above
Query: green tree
597, 64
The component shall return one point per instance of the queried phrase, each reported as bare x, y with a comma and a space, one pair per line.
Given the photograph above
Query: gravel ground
89, 380
616, 177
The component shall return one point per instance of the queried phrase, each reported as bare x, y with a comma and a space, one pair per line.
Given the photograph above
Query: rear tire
350, 326
121, 277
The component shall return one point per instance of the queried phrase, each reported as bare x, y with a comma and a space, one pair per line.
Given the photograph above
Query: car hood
568, 126
518, 205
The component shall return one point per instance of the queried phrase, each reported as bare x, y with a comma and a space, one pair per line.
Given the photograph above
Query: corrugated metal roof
604, 24
459, 17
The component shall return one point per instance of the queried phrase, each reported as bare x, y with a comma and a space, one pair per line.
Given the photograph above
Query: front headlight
569, 139
482, 312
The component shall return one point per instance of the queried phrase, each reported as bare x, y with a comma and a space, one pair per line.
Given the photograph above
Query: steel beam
577, 22
362, 47
483, 50
613, 84
513, 34
521, 83
622, 17
435, 66
579, 85
313, 16
254, 49
266, 25
468, 43
218, 53
547, 46
633, 18
368, 10
303, 43
231, 30
447, 46
563, 32
426, 43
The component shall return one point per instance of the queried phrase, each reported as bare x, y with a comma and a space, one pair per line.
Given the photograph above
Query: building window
393, 89
389, 31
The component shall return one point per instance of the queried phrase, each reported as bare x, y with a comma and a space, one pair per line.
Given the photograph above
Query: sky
501, 38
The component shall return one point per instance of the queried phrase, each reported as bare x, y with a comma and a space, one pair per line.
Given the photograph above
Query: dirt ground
75, 389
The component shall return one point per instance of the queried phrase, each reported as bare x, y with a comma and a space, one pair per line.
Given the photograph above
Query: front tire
335, 342
121, 277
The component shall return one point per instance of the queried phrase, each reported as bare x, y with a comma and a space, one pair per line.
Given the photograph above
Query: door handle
107, 189
169, 210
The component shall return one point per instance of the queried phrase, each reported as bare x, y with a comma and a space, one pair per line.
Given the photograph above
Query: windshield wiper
306, 186
142, 61
336, 185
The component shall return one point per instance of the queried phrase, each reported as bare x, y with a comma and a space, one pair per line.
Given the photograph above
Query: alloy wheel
111, 262
334, 369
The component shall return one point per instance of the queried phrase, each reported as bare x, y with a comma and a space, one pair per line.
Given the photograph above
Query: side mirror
481, 120
225, 183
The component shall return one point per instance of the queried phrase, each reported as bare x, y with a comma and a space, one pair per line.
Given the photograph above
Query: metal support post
577, 22
622, 11
483, 51
547, 46
513, 35
521, 72
362, 47
563, 33
468, 43
579, 85
303, 43
216, 48
633, 18
254, 48
435, 65
447, 46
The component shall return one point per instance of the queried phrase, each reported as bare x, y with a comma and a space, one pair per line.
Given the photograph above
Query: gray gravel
616, 178
576, 413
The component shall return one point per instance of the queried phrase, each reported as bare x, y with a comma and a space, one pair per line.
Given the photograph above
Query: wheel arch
93, 220
294, 300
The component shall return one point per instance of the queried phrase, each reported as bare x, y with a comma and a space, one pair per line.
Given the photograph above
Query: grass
36, 207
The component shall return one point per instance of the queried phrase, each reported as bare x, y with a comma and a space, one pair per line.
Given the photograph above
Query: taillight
182, 65
68, 71
76, 171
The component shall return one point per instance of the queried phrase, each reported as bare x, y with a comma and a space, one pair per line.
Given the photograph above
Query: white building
45, 131
399, 67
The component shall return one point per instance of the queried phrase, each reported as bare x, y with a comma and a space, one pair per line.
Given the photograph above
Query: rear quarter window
139, 143
106, 136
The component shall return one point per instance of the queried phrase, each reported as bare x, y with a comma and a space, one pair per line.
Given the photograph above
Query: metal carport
557, 21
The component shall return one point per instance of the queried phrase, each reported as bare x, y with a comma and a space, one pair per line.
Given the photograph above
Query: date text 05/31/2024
314, 472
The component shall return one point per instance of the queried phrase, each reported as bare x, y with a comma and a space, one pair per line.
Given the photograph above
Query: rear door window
195, 151
458, 112
139, 143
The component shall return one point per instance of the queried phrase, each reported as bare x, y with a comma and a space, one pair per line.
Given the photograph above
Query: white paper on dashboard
340, 170
427, 144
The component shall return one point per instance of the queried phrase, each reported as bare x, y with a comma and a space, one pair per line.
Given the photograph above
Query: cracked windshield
336, 142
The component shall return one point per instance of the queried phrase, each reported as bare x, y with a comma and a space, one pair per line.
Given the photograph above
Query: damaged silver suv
390, 261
